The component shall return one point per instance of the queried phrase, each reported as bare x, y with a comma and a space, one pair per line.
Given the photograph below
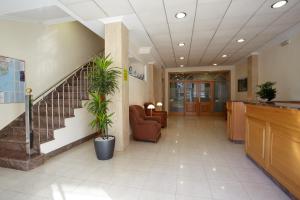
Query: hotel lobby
158, 100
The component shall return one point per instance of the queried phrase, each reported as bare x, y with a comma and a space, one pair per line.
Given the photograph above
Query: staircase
48, 112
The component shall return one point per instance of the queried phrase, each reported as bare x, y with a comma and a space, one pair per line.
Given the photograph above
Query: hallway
193, 160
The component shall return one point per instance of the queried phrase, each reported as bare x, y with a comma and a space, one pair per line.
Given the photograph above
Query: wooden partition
273, 141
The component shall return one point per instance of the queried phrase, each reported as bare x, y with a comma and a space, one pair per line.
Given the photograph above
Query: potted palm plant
103, 81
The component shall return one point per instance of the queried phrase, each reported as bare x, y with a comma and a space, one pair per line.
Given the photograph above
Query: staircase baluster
86, 82
64, 100
52, 111
47, 127
77, 92
73, 92
80, 86
58, 106
69, 99
39, 122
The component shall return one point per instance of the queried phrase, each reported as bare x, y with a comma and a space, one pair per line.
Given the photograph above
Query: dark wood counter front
273, 141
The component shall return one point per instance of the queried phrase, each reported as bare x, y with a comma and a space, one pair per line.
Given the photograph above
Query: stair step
20, 160
17, 141
56, 110
66, 103
13, 142
68, 95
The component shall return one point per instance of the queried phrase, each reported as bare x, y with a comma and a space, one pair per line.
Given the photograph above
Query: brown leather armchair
162, 114
144, 128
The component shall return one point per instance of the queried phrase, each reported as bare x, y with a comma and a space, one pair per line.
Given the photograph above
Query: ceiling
38, 15
209, 30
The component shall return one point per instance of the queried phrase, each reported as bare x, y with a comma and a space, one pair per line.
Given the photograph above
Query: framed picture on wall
242, 85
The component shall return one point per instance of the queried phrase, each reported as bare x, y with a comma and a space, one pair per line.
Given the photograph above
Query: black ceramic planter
104, 147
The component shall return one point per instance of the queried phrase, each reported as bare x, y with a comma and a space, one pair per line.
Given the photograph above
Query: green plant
103, 81
266, 91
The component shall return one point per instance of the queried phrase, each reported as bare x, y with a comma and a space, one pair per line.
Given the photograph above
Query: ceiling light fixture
279, 4
180, 15
181, 65
215, 64
224, 56
181, 58
241, 40
181, 44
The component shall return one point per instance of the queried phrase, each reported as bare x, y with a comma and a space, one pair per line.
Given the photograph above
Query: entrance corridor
193, 160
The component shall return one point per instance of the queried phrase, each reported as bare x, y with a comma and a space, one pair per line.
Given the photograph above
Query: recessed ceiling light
279, 4
224, 56
180, 15
181, 65
215, 64
181, 58
181, 44
241, 40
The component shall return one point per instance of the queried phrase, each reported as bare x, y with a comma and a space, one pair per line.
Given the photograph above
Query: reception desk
273, 141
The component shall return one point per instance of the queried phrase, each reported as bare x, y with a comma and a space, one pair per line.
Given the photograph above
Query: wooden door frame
212, 84
196, 103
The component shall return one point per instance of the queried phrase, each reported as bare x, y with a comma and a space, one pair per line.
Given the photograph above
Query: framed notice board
12, 80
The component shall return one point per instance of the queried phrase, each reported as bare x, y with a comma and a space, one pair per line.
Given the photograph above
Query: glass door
176, 97
206, 89
191, 98
221, 96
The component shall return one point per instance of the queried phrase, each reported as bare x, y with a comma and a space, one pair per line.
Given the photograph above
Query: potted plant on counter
103, 81
266, 91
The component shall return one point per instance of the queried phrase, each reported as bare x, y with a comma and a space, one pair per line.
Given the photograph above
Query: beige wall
148, 90
158, 85
138, 91
241, 73
150, 81
50, 53
281, 64
278, 64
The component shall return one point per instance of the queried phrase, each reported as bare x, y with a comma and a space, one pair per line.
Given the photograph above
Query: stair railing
81, 77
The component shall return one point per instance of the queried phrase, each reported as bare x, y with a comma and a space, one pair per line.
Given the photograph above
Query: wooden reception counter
273, 141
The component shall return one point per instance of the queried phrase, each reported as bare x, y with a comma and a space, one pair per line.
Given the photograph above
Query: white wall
281, 64
50, 52
75, 129
138, 89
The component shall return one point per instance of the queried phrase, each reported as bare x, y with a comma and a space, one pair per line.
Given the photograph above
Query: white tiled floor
192, 161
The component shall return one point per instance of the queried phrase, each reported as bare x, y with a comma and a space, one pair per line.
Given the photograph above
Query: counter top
293, 105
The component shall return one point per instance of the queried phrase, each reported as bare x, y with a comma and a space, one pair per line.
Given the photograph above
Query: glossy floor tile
193, 160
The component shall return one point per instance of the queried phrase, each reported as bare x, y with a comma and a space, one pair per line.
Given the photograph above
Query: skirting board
69, 146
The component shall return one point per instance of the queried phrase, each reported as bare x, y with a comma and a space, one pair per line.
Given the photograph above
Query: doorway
199, 97
198, 94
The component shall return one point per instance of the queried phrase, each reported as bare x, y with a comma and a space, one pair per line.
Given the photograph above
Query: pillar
150, 82
252, 67
116, 44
